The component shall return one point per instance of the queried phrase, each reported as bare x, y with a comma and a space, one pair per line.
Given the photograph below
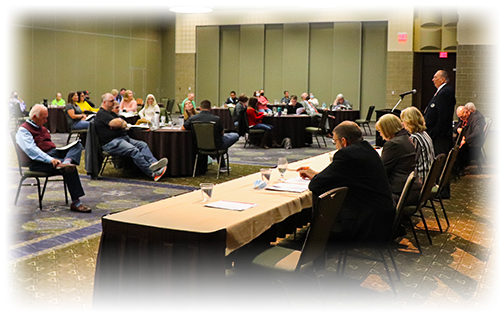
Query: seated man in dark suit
472, 137
41, 154
112, 133
368, 210
222, 140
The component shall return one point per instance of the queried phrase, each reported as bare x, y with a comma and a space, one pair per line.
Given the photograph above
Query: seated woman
413, 122
147, 113
189, 109
74, 115
262, 102
128, 103
398, 156
83, 104
255, 122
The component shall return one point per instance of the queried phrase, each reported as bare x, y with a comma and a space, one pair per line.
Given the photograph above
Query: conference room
160, 244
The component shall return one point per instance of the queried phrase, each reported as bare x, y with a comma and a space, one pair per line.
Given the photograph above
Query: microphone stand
397, 104
401, 99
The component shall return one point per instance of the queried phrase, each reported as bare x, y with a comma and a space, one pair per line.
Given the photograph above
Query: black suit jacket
474, 130
368, 211
439, 118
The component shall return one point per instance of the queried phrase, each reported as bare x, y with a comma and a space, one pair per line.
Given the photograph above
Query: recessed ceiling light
191, 9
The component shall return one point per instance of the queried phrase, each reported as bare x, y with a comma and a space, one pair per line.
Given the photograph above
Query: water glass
206, 191
282, 165
265, 174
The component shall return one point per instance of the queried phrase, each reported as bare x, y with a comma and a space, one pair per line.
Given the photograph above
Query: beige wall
92, 53
397, 21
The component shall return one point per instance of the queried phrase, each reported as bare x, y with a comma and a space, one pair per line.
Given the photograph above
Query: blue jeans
80, 125
263, 126
136, 149
228, 139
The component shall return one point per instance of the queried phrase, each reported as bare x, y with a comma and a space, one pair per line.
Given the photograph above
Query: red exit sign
443, 55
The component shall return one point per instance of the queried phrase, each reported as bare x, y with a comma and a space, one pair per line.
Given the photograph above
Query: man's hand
306, 173
462, 142
55, 162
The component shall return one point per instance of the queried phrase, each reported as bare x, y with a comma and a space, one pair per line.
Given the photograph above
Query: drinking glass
282, 165
266, 174
206, 191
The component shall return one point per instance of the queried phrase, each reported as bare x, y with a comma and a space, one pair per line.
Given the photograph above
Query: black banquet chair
25, 173
205, 143
425, 194
379, 246
320, 130
280, 262
366, 121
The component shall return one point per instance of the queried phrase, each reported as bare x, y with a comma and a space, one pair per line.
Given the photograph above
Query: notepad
228, 205
68, 146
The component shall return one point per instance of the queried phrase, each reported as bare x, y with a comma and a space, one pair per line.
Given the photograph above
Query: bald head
463, 113
39, 114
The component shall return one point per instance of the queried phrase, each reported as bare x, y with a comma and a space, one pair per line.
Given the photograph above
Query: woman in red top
262, 102
255, 122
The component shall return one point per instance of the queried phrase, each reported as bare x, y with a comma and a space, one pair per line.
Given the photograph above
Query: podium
379, 141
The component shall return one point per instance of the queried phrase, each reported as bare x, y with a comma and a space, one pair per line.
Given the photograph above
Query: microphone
409, 92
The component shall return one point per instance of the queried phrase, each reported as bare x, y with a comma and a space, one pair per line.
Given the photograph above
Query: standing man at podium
439, 117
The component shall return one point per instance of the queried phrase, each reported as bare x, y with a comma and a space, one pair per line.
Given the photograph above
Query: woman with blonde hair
414, 123
147, 113
128, 103
398, 156
189, 109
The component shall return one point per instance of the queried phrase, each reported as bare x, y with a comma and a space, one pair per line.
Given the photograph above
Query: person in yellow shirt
84, 105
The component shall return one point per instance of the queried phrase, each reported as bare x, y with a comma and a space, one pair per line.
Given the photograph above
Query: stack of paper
228, 205
291, 185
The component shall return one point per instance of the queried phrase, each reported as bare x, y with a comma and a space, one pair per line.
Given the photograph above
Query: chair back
430, 181
448, 166
325, 211
370, 113
402, 203
231, 111
18, 153
205, 136
243, 124
139, 101
170, 105
93, 152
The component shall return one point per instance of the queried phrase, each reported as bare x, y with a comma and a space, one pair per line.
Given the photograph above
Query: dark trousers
72, 179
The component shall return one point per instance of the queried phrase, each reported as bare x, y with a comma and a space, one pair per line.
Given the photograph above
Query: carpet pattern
51, 260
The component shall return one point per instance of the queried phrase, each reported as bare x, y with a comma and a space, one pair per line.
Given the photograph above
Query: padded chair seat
34, 174
311, 129
278, 258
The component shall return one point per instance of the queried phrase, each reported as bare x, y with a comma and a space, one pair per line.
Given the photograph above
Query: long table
179, 245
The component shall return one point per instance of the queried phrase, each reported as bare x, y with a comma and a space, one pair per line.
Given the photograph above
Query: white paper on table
228, 205
298, 180
145, 125
297, 185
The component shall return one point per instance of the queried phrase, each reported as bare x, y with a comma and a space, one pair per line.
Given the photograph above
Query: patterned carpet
52, 254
